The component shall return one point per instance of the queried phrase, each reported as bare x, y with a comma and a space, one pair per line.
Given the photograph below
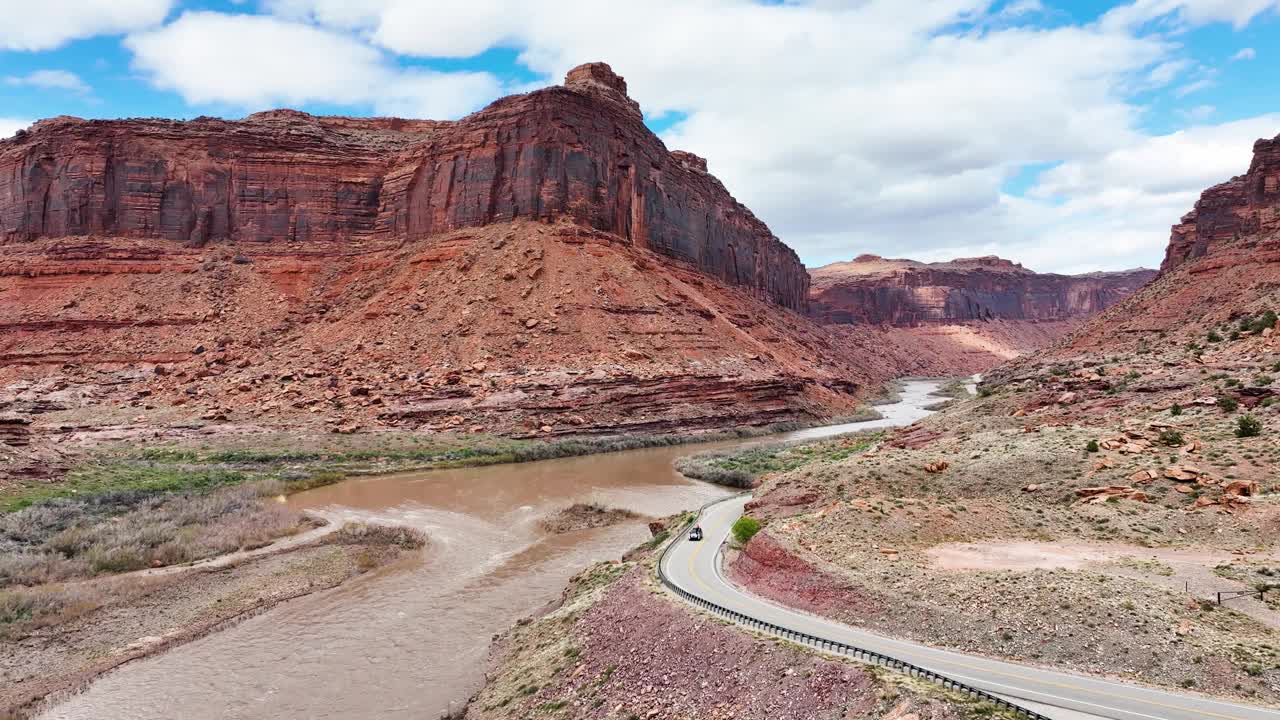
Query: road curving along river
409, 641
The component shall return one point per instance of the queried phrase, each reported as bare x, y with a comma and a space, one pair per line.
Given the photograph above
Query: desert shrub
15, 607
36, 607
357, 533
1263, 380
37, 568
1248, 426
119, 558
1228, 403
1175, 409
1235, 334
1213, 336
1171, 437
745, 528
1091, 446
1264, 321
1231, 382
700, 468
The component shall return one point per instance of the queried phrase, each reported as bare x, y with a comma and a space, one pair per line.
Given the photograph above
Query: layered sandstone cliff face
1244, 206
874, 290
579, 151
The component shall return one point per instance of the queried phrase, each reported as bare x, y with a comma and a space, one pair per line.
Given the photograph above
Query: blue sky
1036, 129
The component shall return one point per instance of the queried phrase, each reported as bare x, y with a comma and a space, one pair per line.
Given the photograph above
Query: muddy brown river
411, 641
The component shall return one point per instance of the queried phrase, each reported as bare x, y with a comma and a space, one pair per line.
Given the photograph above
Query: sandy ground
1189, 571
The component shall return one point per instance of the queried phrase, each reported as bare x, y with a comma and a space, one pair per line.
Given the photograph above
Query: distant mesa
877, 291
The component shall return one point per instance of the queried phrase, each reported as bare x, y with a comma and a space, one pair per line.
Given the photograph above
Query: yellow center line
693, 556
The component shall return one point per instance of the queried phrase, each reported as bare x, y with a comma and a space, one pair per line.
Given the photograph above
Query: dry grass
24, 609
64, 538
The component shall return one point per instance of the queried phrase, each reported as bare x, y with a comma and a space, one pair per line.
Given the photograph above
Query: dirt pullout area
583, 516
618, 647
104, 623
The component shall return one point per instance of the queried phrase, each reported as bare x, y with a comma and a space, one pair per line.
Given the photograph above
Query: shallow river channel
409, 641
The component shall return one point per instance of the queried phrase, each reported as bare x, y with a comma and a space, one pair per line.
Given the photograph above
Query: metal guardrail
834, 646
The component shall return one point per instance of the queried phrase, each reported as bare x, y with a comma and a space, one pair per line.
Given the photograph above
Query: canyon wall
579, 151
874, 290
1222, 263
1246, 205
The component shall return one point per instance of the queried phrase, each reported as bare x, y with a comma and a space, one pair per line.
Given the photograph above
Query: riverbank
59, 637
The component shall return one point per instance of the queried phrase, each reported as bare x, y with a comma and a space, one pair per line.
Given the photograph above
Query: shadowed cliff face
579, 151
1245, 205
873, 290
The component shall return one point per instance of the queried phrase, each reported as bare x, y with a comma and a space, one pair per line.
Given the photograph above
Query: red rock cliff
580, 150
1245, 205
873, 290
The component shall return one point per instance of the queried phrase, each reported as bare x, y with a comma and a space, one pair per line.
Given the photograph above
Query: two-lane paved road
693, 567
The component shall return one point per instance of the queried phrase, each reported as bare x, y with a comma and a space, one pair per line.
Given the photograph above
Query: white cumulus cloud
34, 25
1238, 13
255, 62
50, 80
1245, 54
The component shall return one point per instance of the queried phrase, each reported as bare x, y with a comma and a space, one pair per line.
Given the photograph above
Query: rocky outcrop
874, 290
1246, 205
1222, 265
579, 151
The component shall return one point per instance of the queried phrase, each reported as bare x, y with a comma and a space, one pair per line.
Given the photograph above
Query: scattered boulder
1098, 495
1242, 488
1182, 472
1142, 477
